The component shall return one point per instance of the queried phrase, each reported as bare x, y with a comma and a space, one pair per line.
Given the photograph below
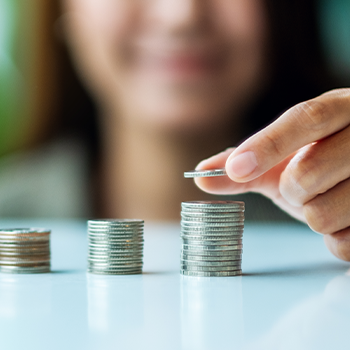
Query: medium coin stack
25, 250
211, 233
115, 246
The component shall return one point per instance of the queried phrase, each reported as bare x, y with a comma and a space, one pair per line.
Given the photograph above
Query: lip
187, 63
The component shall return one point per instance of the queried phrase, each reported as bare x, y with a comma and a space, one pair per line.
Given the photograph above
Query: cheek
241, 19
108, 19
97, 31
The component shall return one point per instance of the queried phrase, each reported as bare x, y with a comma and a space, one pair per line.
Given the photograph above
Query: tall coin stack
25, 250
211, 233
115, 246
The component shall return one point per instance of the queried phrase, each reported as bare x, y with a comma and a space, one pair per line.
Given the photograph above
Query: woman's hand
302, 162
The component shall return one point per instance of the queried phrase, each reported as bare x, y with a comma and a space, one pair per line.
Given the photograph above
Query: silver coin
209, 253
212, 247
23, 254
114, 269
124, 234
116, 243
116, 246
124, 252
205, 173
23, 270
211, 238
27, 258
115, 223
133, 228
190, 257
200, 224
115, 264
212, 222
212, 218
211, 263
214, 204
211, 274
113, 272
215, 242
119, 250
25, 249
234, 267
215, 214
213, 228
116, 239
24, 231
212, 212
92, 255
218, 223
114, 260
119, 232
25, 239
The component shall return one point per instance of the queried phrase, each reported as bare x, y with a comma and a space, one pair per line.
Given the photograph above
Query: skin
168, 77
300, 161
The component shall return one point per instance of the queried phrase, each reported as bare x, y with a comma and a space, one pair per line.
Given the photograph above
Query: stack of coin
24, 250
115, 246
211, 233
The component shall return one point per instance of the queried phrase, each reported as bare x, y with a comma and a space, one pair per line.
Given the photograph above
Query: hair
298, 73
298, 68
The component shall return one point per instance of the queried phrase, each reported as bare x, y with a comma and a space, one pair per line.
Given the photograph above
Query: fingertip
240, 167
339, 244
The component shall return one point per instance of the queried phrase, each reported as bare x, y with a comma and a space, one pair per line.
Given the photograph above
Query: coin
115, 246
211, 263
23, 270
233, 267
210, 238
111, 272
205, 173
211, 273
211, 242
210, 253
222, 205
212, 248
222, 258
24, 250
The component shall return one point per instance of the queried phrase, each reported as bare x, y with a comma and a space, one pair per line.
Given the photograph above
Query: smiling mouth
180, 63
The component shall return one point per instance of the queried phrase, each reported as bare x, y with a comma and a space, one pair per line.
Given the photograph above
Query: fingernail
243, 164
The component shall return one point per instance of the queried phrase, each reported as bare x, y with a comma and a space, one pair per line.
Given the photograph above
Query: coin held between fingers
205, 173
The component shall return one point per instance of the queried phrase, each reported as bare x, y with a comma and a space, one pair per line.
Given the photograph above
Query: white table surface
293, 295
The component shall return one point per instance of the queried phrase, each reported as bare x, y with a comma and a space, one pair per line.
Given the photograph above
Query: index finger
303, 124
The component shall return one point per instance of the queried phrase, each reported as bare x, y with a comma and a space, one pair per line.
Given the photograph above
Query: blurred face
170, 64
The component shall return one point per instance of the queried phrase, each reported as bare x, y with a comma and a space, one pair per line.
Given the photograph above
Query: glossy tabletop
293, 295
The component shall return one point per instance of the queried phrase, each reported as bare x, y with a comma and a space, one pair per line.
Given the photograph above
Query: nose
179, 16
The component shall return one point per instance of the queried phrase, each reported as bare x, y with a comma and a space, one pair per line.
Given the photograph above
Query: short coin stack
211, 233
24, 250
115, 246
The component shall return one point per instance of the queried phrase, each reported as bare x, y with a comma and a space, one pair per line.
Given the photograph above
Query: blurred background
48, 129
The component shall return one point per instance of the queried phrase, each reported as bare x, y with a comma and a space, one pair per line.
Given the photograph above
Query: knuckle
275, 144
319, 216
313, 115
300, 182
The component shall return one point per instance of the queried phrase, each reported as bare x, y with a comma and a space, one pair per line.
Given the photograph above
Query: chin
190, 120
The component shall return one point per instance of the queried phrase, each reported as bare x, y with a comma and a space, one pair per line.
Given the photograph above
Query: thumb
266, 184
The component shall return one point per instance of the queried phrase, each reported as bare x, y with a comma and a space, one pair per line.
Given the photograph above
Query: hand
302, 162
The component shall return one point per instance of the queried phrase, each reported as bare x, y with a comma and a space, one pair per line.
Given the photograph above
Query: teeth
212, 233
115, 246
